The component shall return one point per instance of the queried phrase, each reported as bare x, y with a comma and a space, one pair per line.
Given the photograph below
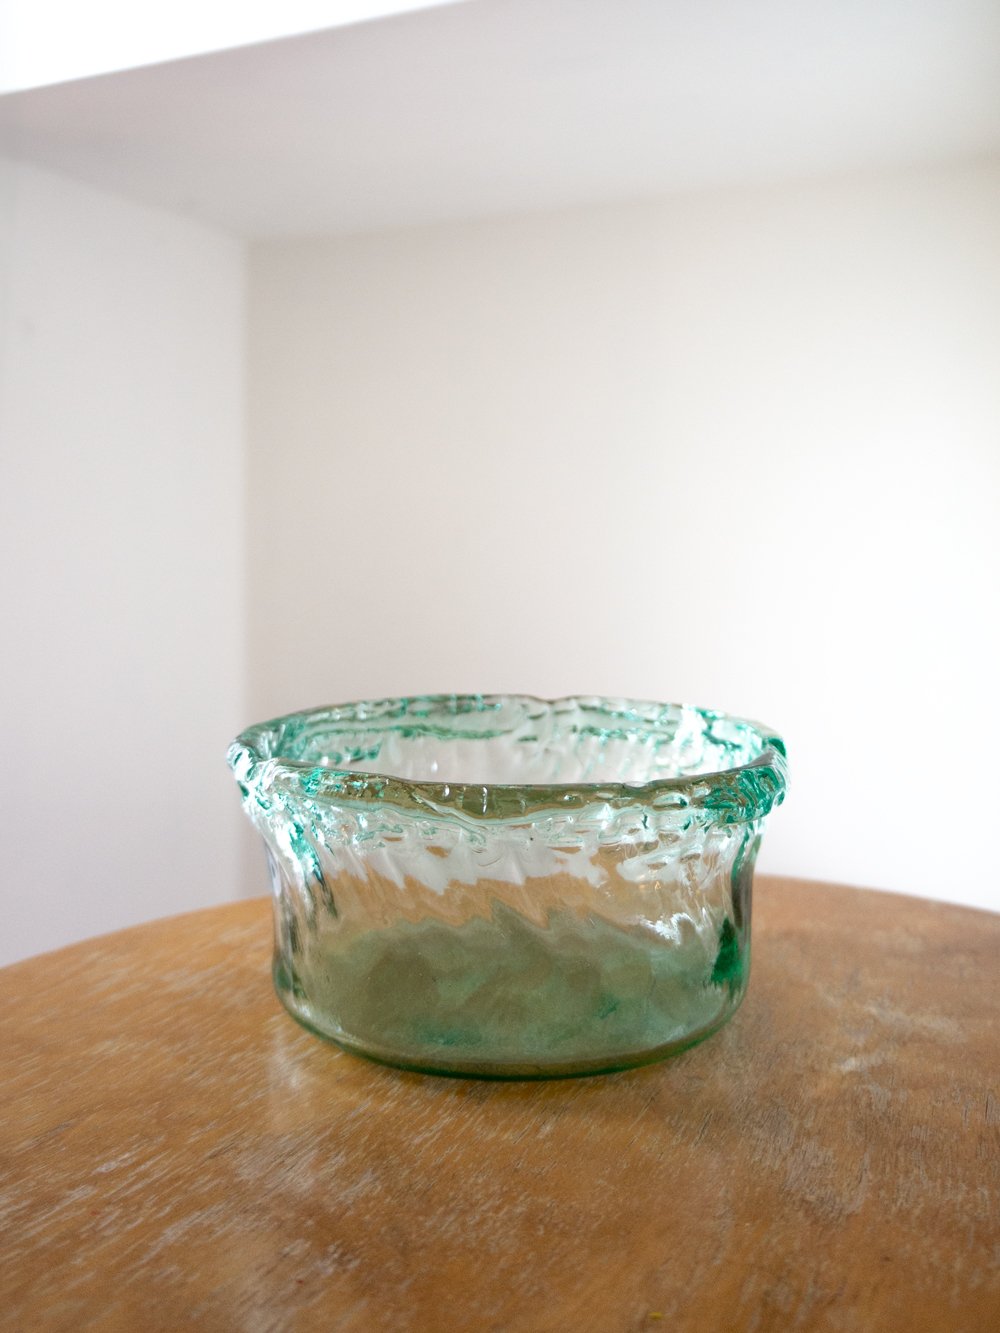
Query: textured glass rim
733, 795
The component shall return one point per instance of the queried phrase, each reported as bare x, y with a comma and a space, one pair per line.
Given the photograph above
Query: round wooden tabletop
177, 1153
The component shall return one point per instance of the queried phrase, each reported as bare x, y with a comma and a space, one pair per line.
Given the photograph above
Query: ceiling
52, 41
500, 106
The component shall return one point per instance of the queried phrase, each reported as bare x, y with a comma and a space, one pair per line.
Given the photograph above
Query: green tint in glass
509, 887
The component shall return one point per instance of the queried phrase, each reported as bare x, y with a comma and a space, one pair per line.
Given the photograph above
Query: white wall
741, 449
121, 561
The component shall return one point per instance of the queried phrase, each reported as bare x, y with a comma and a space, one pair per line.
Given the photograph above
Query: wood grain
175, 1152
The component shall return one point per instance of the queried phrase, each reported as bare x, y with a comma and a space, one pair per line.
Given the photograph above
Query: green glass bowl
511, 887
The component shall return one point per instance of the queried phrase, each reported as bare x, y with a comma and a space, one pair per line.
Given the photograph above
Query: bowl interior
516, 740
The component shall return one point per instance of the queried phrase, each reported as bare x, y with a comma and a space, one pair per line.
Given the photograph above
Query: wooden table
176, 1153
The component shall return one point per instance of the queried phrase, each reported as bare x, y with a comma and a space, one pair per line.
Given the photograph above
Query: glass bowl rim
731, 795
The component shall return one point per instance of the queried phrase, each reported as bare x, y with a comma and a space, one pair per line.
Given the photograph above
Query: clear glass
511, 887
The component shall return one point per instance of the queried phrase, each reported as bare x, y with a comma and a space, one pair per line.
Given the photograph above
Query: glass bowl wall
509, 886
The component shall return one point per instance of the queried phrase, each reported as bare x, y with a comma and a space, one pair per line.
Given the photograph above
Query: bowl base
497, 1070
